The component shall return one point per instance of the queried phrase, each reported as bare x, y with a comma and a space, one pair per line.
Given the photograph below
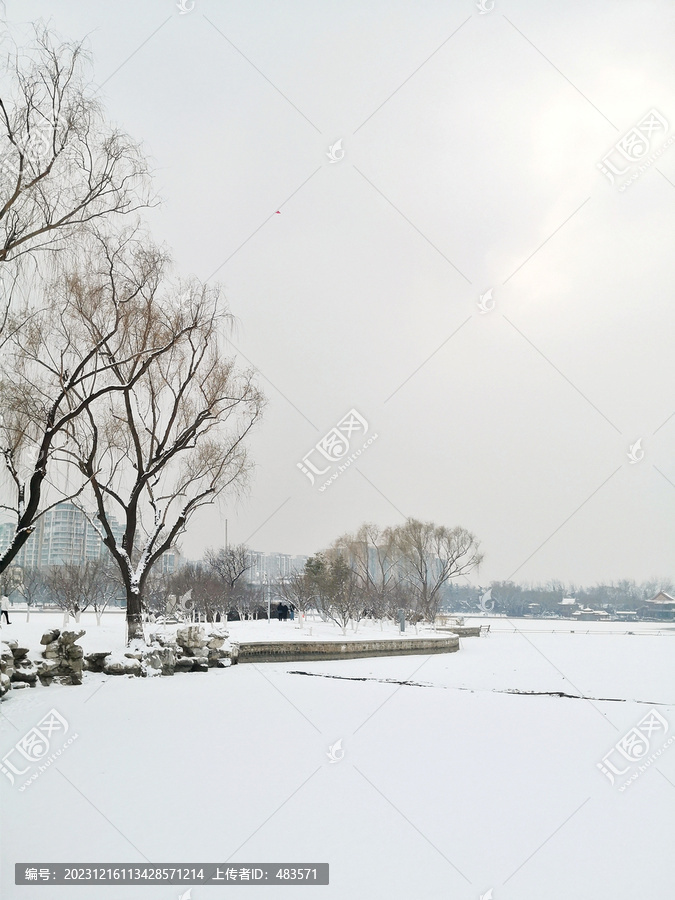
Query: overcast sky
468, 163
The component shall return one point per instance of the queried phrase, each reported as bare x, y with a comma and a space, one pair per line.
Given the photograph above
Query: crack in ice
444, 687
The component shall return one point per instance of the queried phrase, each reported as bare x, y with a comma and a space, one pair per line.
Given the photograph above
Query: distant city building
169, 562
62, 535
65, 535
272, 567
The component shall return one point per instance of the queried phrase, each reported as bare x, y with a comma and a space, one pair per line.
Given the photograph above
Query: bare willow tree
96, 316
63, 170
336, 589
168, 441
32, 587
75, 587
61, 164
298, 590
230, 565
207, 597
374, 558
430, 556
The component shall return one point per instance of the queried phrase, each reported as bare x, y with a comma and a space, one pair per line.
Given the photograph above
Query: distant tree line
511, 599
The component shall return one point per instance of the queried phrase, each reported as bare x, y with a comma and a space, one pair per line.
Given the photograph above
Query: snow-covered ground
449, 786
110, 634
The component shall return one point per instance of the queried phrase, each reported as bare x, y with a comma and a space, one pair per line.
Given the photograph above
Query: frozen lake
450, 785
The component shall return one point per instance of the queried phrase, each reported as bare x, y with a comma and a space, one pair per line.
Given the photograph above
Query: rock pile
205, 651
191, 650
18, 670
6, 667
63, 657
25, 670
94, 662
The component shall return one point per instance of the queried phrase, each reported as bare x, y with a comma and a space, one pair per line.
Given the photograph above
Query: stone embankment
294, 651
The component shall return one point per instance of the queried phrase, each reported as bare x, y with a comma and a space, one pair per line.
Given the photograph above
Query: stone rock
49, 636
149, 672
69, 679
192, 636
69, 637
24, 663
184, 664
48, 665
122, 667
167, 660
153, 660
219, 632
17, 685
12, 644
200, 664
216, 642
163, 638
134, 654
19, 652
5, 684
74, 651
23, 676
93, 662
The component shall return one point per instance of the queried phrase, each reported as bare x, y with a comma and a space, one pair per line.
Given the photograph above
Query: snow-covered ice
449, 786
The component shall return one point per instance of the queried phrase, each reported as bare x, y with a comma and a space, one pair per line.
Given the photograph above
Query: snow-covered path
448, 787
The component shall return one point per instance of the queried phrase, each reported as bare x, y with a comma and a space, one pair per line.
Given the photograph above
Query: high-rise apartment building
62, 535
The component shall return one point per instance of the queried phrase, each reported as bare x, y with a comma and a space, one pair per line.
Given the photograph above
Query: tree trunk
134, 616
66, 617
98, 618
77, 616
